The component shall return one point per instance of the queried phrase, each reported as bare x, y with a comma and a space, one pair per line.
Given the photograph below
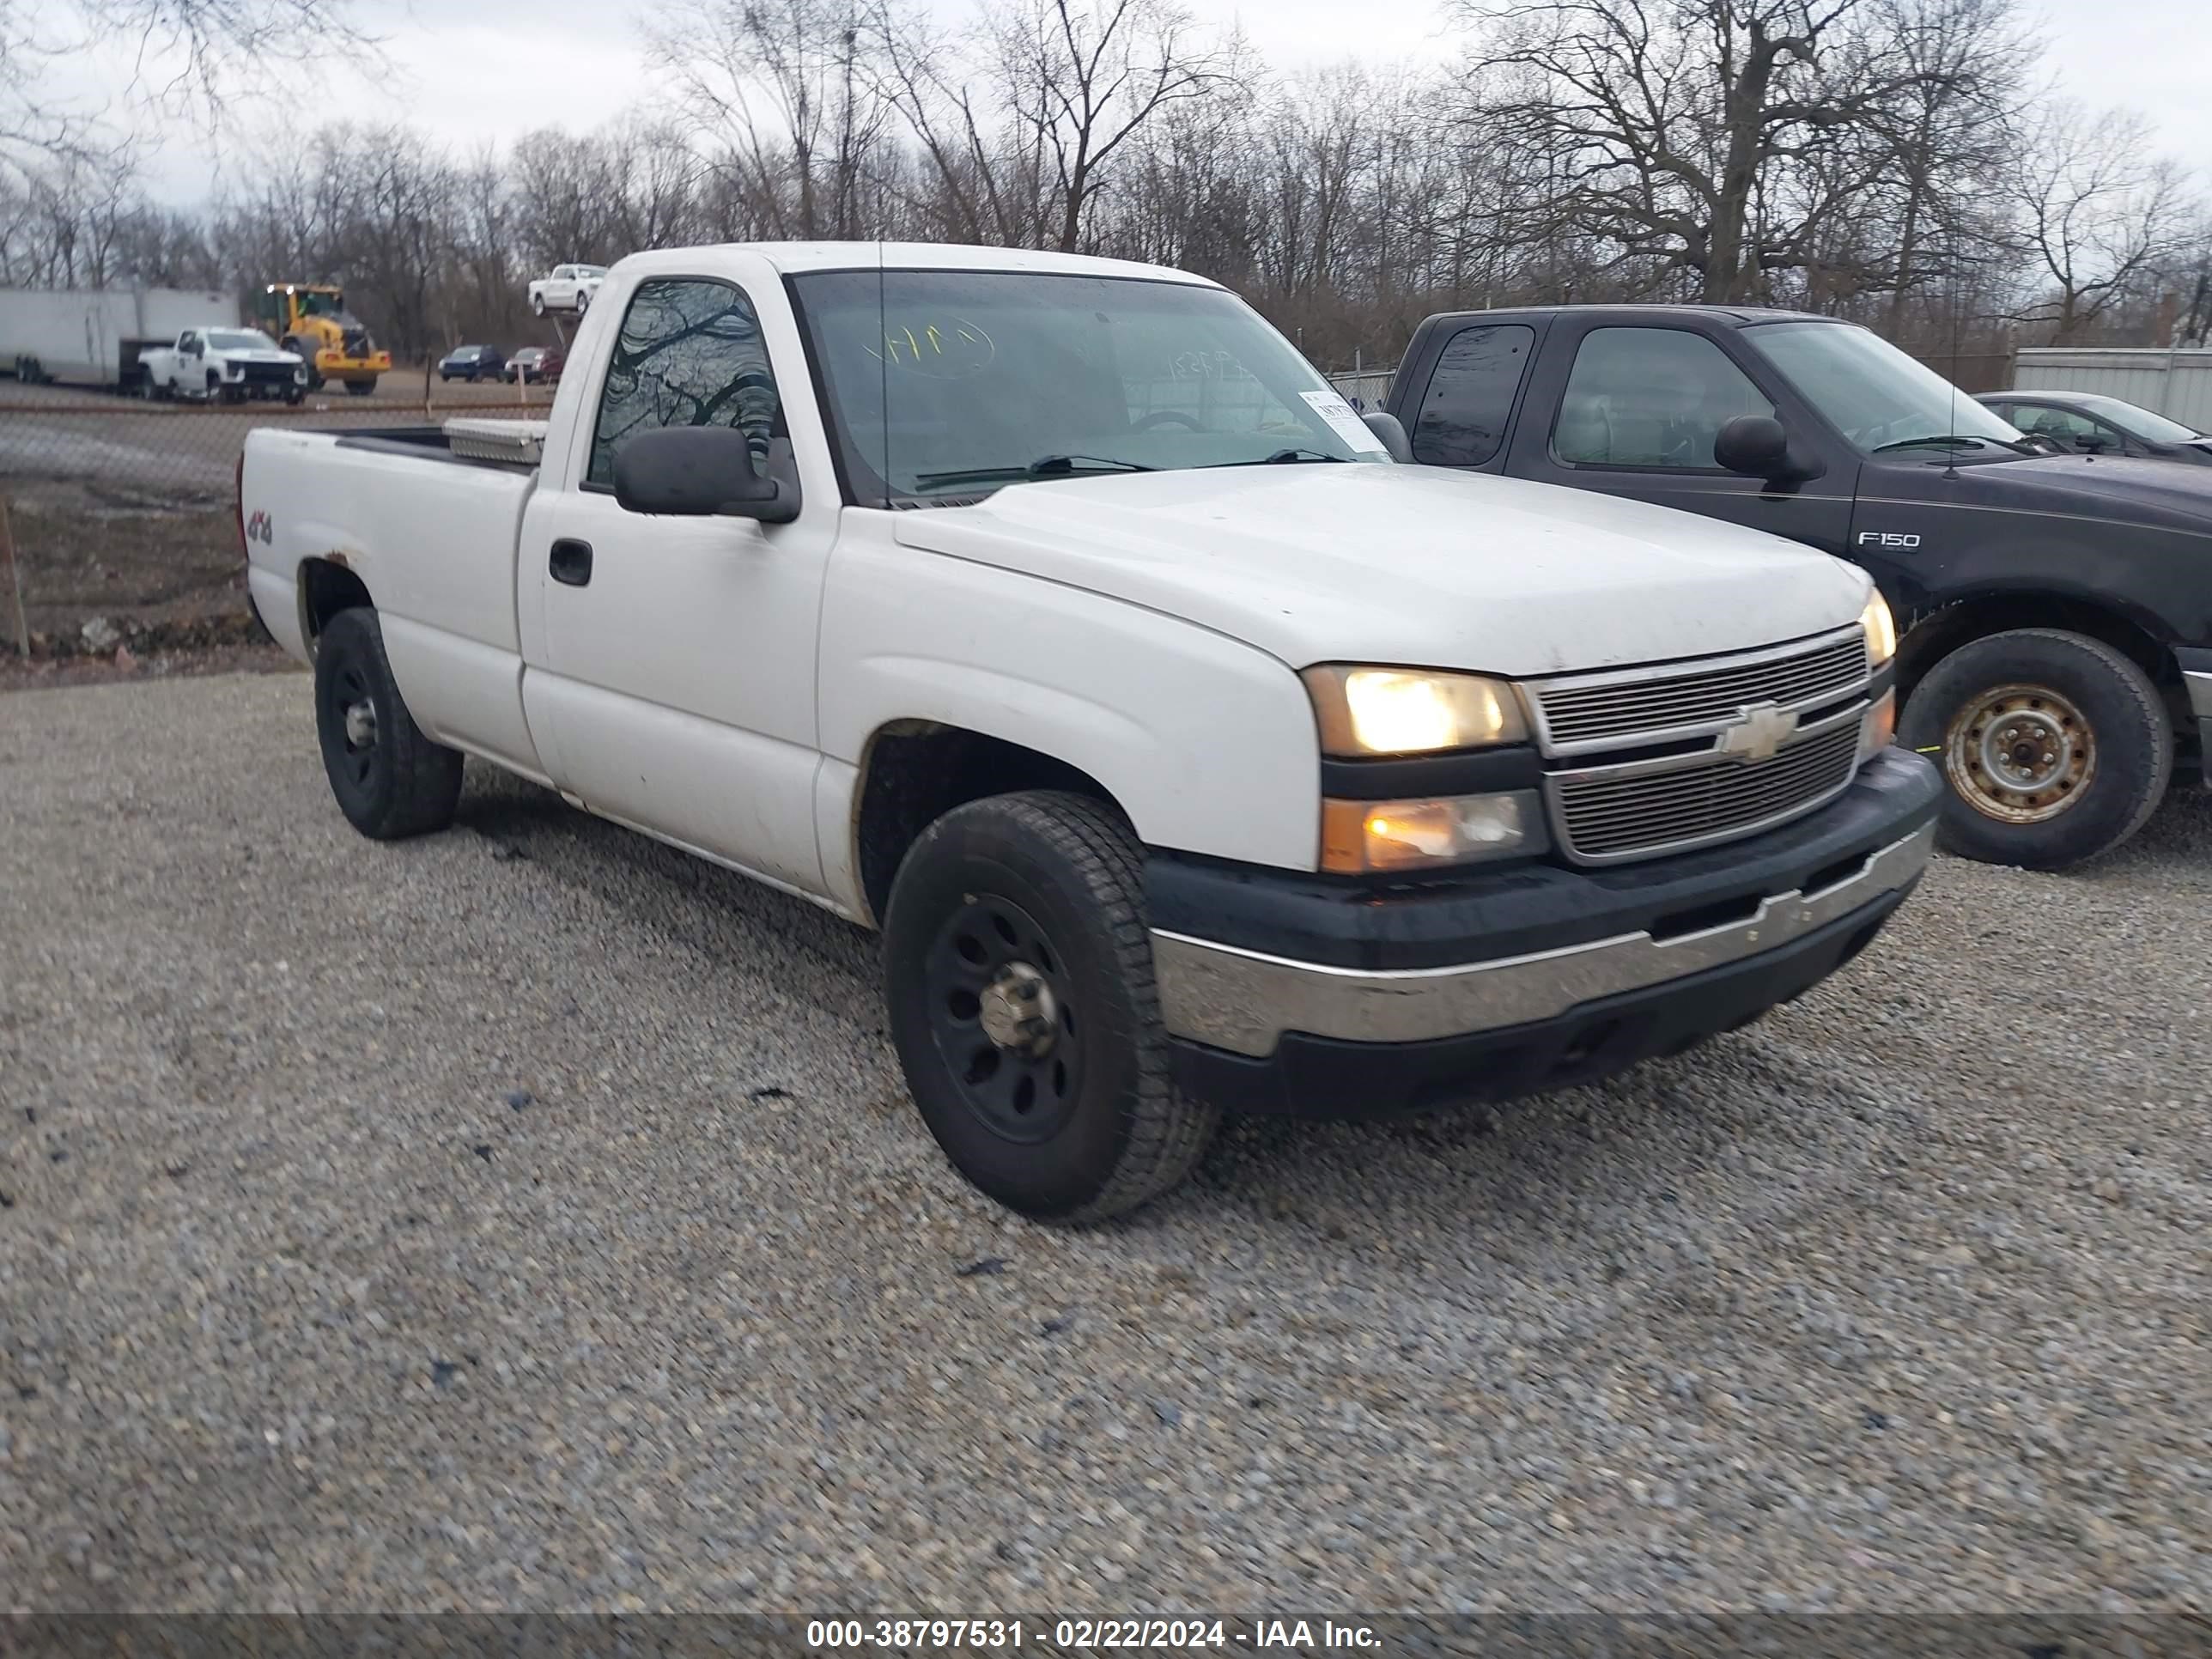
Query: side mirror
1757, 447
1392, 432
699, 471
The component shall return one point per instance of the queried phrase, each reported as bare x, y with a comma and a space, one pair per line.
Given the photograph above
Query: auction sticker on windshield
1332, 408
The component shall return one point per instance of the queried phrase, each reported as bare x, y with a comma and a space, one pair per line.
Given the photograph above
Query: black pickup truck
2056, 610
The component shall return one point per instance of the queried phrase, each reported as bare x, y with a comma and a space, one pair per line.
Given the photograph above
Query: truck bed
428, 529
508, 444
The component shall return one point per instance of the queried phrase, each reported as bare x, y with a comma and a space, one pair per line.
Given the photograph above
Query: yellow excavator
312, 319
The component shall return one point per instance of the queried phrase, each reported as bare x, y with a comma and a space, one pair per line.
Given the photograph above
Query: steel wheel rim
1021, 1082
2019, 754
353, 707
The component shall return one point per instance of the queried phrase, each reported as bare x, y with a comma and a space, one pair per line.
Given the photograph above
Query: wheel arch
912, 772
1934, 632
327, 585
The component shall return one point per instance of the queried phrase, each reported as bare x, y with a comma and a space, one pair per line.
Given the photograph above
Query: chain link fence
118, 520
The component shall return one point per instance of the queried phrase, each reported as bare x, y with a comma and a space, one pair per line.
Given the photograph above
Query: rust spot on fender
339, 559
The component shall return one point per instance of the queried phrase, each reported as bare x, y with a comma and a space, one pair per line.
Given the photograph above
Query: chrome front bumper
1243, 1001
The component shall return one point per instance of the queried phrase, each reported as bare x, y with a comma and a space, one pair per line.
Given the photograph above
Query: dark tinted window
1462, 416
689, 354
1649, 397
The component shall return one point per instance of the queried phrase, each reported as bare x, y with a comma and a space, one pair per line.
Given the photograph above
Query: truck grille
1604, 815
1638, 761
1604, 710
266, 373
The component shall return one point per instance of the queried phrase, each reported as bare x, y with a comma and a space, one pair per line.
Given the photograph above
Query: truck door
671, 677
1633, 410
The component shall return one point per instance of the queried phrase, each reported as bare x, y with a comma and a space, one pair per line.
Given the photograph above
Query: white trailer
92, 336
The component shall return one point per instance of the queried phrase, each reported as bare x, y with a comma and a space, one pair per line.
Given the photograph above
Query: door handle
571, 562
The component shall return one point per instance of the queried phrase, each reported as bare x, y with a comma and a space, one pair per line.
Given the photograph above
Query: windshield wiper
1045, 466
1286, 457
1953, 440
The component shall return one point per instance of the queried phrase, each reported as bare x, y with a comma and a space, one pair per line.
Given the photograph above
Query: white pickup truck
227, 364
1054, 616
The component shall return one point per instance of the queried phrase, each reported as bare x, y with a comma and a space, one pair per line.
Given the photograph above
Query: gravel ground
531, 1216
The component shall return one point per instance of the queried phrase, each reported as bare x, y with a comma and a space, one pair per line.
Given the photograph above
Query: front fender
1206, 744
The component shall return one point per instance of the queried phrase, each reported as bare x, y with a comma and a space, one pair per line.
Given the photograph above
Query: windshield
945, 384
322, 304
236, 339
2136, 418
1874, 393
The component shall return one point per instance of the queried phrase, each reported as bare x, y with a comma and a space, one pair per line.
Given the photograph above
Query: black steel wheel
1018, 972
1003, 1014
389, 779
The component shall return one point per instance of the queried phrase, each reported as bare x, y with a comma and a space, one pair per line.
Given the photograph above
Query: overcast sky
489, 69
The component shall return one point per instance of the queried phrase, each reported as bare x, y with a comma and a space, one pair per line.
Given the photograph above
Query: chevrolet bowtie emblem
1758, 735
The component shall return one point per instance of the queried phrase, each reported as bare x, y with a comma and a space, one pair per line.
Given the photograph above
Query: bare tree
1710, 136
789, 90
1081, 78
191, 58
2099, 210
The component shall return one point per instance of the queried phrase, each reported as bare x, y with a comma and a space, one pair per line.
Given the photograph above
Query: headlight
1375, 837
1406, 711
1880, 630
299, 375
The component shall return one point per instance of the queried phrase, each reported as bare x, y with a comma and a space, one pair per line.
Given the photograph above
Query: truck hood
2151, 494
1360, 562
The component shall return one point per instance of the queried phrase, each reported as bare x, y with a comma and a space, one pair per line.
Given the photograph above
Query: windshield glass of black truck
945, 385
1883, 400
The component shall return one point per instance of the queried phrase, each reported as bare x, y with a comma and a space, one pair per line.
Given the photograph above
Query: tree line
1905, 163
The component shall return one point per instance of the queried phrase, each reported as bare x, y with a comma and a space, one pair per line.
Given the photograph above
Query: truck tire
1018, 972
538, 305
2056, 746
391, 781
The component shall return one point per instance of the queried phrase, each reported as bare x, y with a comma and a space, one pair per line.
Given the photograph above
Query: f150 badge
1887, 538
1759, 734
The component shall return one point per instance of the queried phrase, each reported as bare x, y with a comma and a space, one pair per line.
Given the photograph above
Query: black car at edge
472, 363
2056, 611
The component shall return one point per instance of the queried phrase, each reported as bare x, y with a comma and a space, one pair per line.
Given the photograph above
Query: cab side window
689, 354
1462, 417
1652, 399
2065, 426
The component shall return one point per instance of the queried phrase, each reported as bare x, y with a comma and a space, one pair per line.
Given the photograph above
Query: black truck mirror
1759, 447
699, 471
1754, 445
